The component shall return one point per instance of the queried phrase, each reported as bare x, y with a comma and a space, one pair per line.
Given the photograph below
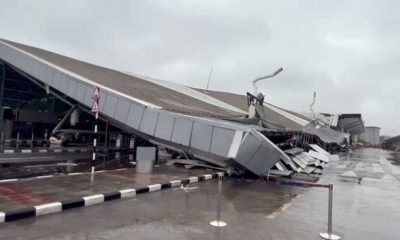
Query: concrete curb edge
54, 207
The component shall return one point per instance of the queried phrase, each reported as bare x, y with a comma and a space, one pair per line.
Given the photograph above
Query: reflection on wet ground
368, 210
81, 163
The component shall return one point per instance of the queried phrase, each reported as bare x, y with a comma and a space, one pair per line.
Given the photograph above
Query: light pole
264, 77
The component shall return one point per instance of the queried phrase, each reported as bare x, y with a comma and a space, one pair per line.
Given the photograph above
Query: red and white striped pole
95, 141
95, 110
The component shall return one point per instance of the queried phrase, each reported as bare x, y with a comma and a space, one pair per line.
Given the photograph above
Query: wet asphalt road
368, 210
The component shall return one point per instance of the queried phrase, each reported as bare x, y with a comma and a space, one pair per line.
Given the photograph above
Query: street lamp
264, 77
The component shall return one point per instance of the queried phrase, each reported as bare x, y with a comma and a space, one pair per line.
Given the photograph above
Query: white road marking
45, 176
388, 177
283, 208
350, 174
9, 180
280, 210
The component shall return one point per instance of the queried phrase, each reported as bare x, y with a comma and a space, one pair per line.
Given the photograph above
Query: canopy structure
163, 113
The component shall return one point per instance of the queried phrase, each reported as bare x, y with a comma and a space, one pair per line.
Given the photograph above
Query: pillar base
329, 236
217, 223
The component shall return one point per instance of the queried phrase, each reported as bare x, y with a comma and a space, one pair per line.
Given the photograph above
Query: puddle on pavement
270, 199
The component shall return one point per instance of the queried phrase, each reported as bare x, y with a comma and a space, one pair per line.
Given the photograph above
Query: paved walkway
40, 190
367, 164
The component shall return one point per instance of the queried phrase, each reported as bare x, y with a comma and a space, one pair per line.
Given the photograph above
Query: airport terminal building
44, 94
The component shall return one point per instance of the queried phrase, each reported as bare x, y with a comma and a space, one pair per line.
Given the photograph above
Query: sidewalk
47, 189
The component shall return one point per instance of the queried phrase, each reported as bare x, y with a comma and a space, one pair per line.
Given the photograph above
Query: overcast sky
347, 51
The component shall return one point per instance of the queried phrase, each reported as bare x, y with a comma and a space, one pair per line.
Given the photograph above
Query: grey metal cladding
135, 115
201, 136
64, 83
264, 159
182, 131
80, 91
164, 126
121, 113
88, 101
103, 99
55, 80
26, 64
45, 73
149, 122
35, 69
221, 141
29, 65
248, 147
71, 88
10, 55
109, 106
5, 53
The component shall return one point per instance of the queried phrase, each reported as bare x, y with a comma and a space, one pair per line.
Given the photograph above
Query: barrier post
218, 222
329, 235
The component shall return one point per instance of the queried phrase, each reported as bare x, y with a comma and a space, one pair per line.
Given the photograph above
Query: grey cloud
347, 51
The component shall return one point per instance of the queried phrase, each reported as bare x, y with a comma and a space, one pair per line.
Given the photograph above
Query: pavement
21, 165
22, 193
368, 209
41, 157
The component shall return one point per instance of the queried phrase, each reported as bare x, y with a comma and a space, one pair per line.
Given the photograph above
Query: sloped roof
151, 92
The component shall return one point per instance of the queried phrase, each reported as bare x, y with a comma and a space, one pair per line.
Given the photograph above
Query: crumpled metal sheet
294, 151
319, 156
326, 134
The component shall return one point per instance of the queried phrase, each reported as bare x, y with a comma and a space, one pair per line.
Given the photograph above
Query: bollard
32, 140
2, 139
218, 222
329, 235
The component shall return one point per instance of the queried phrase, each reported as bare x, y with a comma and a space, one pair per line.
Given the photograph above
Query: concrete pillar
7, 128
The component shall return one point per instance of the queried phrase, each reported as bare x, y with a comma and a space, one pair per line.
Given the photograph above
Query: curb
54, 207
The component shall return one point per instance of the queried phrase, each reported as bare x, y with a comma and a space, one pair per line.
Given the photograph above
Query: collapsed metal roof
156, 111
292, 120
182, 118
